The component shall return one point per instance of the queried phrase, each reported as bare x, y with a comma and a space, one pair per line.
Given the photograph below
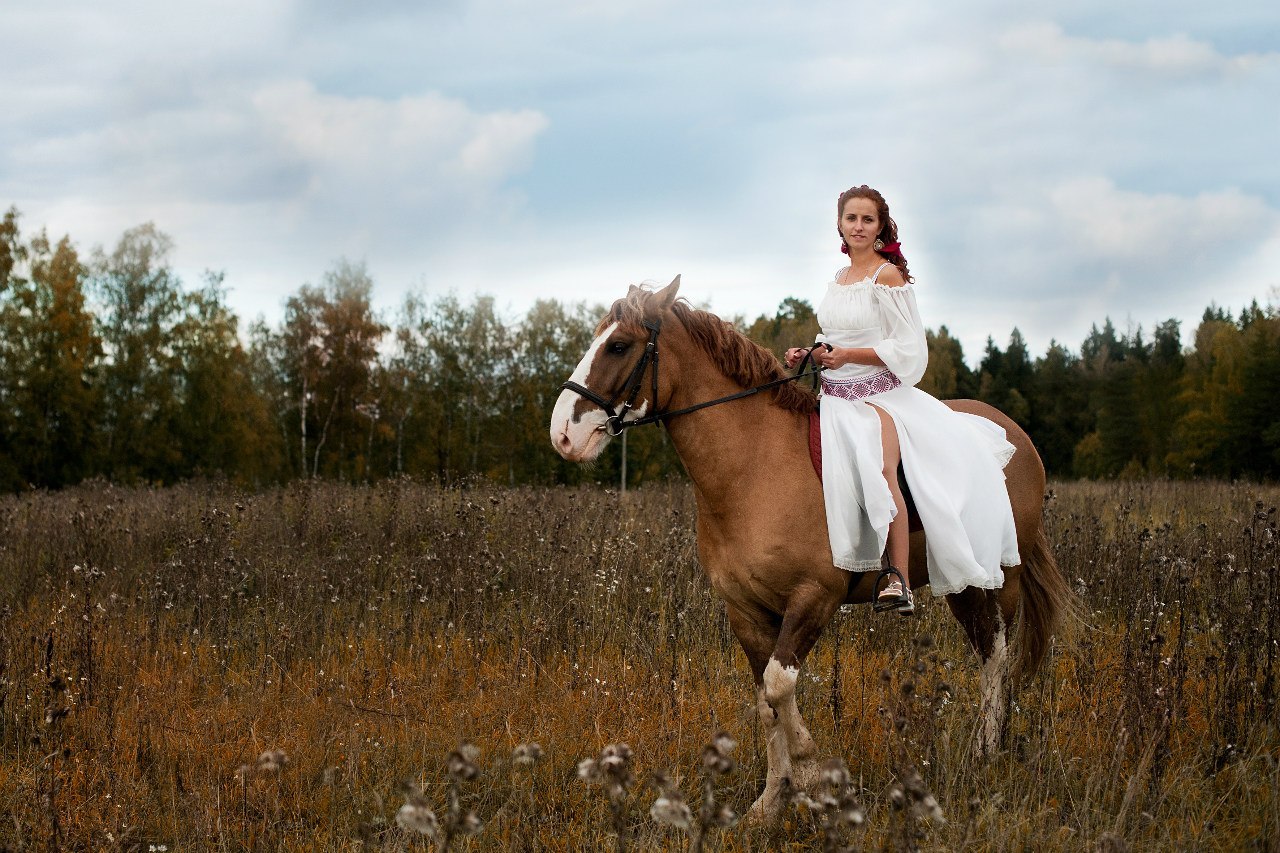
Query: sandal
895, 595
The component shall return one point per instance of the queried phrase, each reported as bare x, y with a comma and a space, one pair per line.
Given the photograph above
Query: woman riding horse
741, 431
873, 417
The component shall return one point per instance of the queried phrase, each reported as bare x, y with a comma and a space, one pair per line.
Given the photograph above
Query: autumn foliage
114, 367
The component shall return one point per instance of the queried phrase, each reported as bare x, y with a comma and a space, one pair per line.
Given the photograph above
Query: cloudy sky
1048, 163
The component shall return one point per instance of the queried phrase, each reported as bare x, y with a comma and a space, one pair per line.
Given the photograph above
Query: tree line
111, 366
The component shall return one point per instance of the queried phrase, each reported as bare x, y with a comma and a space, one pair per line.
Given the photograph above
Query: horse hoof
764, 811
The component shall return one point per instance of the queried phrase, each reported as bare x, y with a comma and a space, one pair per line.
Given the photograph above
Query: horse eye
618, 347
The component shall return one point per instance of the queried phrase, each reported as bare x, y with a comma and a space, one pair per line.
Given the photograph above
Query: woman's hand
834, 357
794, 355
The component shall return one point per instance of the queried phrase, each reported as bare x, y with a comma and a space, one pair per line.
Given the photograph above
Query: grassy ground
157, 647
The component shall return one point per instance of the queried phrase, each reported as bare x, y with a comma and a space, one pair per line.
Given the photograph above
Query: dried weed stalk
612, 771
670, 808
836, 808
911, 714
417, 816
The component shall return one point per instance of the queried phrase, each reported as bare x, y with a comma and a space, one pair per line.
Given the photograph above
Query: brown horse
748, 458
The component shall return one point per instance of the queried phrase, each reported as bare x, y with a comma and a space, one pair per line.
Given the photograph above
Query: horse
747, 458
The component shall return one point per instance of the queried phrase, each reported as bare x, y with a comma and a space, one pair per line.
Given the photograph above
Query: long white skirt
954, 465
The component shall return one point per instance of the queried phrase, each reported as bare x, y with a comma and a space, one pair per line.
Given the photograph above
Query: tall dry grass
201, 668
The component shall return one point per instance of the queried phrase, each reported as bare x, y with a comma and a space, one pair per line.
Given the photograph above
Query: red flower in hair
892, 249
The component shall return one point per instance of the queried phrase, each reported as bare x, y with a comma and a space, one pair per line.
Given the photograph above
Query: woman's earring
878, 244
844, 247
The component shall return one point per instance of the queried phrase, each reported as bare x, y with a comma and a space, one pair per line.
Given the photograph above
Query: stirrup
894, 595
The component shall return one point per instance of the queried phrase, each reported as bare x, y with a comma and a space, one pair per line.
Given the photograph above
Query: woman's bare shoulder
891, 276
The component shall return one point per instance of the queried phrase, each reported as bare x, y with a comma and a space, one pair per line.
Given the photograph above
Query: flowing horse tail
1047, 605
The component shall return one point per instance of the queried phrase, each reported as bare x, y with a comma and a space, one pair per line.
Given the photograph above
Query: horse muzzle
581, 440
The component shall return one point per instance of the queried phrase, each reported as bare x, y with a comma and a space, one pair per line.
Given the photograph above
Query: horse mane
740, 359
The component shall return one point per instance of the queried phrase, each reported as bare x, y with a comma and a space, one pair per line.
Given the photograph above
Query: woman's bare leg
899, 544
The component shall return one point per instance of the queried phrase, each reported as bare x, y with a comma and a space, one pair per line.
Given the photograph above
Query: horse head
613, 365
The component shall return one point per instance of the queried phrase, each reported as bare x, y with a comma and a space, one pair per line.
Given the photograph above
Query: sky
1048, 164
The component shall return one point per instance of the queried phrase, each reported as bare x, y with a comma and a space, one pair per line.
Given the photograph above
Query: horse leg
779, 694
791, 748
758, 635
980, 613
757, 632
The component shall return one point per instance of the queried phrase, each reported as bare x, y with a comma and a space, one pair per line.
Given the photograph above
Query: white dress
953, 461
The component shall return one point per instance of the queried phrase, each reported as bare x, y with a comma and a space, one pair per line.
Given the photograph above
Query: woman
873, 416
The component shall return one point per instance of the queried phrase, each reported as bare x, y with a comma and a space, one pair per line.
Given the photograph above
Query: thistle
612, 770
671, 809
417, 816
836, 807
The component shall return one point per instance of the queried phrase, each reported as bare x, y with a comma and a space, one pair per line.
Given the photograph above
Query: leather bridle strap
808, 359
615, 423
662, 416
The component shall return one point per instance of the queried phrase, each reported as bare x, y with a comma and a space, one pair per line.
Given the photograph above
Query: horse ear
632, 289
667, 296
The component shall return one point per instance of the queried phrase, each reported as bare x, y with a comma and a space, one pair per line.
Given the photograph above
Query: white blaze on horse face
572, 439
583, 441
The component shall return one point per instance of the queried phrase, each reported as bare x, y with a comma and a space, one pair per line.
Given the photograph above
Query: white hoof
767, 808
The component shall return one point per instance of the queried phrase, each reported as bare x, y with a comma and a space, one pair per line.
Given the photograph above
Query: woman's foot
895, 595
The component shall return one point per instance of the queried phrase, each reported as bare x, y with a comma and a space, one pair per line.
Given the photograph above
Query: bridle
615, 423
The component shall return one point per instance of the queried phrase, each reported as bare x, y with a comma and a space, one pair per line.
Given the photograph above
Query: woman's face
859, 223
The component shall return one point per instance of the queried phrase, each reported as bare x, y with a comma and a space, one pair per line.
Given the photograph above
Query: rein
615, 423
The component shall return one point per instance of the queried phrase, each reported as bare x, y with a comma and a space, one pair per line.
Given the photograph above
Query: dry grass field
200, 668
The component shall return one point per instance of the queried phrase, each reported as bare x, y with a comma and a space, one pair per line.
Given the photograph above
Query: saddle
815, 456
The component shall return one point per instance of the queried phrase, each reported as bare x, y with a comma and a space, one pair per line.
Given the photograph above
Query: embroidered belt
857, 389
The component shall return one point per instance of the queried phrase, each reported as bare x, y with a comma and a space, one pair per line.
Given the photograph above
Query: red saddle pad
815, 443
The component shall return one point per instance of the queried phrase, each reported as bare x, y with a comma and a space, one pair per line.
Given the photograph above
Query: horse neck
724, 447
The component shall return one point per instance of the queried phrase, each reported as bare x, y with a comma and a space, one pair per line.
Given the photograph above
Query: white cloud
419, 150
274, 182
1176, 54
1161, 229
288, 142
1056, 259
1044, 173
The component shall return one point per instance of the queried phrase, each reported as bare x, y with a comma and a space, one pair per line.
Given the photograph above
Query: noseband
615, 423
